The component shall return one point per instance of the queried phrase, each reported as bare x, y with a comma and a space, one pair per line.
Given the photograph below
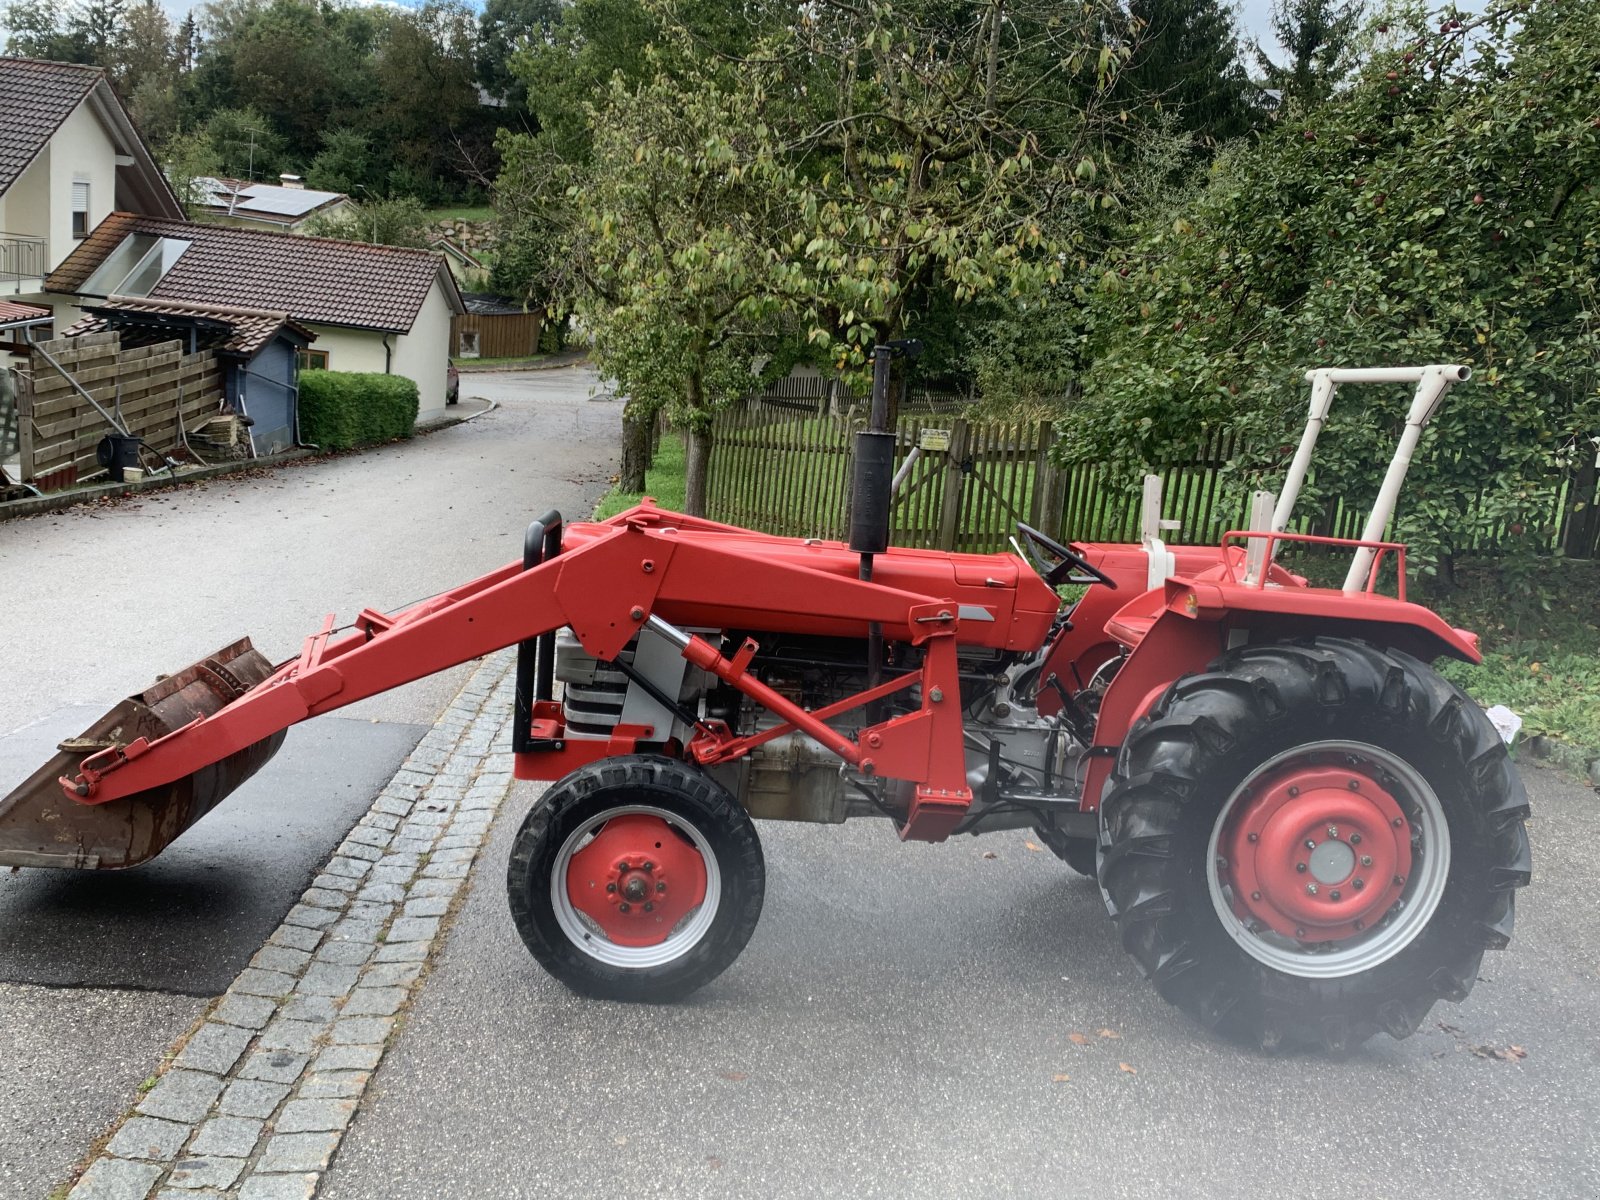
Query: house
259, 350
69, 156
370, 308
284, 206
495, 327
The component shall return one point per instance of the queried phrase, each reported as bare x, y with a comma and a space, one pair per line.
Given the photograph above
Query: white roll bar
1432, 382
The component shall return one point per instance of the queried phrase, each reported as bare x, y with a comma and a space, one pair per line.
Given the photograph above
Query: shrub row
341, 409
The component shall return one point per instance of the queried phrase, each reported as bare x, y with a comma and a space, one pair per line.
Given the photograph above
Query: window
80, 210
469, 343
135, 266
313, 360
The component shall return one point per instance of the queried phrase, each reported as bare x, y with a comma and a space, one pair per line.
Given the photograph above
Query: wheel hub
636, 879
1316, 853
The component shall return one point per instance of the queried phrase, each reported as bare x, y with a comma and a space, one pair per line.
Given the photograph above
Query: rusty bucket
41, 827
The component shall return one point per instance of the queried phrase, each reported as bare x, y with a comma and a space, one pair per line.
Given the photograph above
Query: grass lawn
480, 213
1542, 664
664, 481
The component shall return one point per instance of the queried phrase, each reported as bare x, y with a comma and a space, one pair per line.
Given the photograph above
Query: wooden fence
968, 483
966, 486
157, 392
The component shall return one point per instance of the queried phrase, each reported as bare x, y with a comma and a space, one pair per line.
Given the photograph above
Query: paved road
97, 601
896, 1028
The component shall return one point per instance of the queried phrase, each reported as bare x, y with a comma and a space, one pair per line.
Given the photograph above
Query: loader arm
606, 582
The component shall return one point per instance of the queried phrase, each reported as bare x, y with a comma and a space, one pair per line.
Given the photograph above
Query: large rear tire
1312, 842
636, 878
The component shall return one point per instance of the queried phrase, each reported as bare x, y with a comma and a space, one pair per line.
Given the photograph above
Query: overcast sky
1252, 14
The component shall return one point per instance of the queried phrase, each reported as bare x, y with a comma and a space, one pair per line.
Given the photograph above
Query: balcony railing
22, 261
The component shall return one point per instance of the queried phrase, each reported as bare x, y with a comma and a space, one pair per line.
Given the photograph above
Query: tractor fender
1187, 625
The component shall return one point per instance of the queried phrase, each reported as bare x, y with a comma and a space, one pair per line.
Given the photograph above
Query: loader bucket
41, 827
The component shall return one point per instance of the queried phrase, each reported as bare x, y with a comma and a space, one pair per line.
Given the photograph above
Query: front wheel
1313, 842
636, 878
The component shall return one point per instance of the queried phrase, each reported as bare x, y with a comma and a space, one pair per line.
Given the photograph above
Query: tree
1186, 60
37, 32
148, 53
344, 164
397, 222
679, 224
1440, 209
504, 28
1318, 37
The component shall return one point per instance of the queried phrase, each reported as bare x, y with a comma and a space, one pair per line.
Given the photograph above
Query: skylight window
136, 266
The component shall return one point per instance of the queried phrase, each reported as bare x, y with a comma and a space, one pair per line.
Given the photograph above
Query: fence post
1049, 494
25, 450
950, 514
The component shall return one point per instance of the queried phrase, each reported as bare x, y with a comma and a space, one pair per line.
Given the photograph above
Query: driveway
100, 973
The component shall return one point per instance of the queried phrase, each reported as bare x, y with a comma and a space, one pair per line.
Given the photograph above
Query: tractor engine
1019, 764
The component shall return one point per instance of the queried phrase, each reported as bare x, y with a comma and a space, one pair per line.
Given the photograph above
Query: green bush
341, 409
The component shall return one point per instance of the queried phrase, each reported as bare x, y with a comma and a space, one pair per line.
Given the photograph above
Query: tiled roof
316, 280
10, 311
35, 98
250, 328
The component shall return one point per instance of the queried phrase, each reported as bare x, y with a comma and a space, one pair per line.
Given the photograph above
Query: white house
69, 156
372, 308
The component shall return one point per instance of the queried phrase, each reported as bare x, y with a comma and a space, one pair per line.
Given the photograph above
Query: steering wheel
1065, 560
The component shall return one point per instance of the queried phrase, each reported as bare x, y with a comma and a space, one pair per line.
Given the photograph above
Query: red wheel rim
1316, 853
636, 879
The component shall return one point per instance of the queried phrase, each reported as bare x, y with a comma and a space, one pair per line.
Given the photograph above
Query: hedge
341, 409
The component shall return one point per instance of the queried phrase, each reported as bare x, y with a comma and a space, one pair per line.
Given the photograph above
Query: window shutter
80, 197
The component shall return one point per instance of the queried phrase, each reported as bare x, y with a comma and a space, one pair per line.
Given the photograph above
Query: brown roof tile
10, 311
251, 328
35, 98
317, 280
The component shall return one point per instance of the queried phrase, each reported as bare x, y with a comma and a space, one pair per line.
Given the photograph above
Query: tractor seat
1134, 619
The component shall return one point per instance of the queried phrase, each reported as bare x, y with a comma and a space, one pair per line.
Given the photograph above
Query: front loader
1304, 834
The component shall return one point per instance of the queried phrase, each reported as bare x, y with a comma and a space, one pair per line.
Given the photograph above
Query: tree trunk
636, 423
696, 461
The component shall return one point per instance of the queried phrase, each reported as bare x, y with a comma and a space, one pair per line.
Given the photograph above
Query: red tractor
1303, 833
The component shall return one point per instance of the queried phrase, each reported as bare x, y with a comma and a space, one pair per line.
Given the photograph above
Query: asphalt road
100, 973
902, 1024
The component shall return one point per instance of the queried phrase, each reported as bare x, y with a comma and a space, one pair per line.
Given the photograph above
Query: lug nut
1334, 895
1255, 895
611, 887
1311, 889
661, 887
1293, 791
1333, 832
1311, 844
1366, 860
1355, 785
648, 907
1399, 881
625, 906
1301, 867
649, 866
1398, 822
1255, 837
1355, 839
1358, 884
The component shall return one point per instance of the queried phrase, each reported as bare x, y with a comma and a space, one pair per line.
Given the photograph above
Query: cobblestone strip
254, 1104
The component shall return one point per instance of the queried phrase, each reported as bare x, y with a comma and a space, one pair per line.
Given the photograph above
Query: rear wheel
636, 878
1310, 843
